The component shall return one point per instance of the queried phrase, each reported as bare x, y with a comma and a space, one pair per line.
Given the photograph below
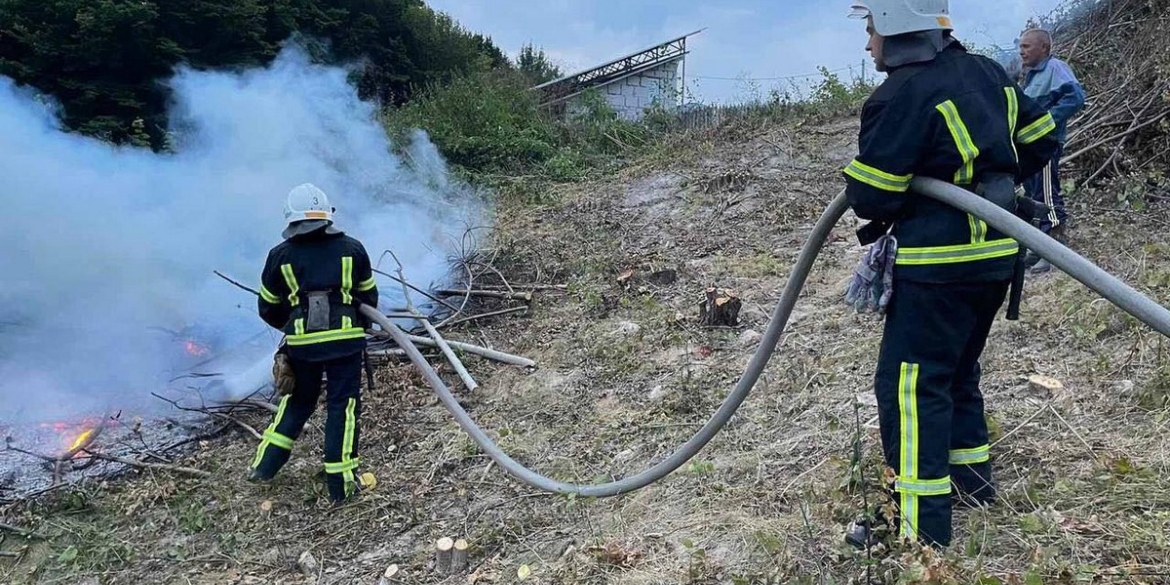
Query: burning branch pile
84, 449
98, 446
1118, 50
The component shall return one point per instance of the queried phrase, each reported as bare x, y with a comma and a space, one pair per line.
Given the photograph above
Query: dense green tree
536, 67
103, 59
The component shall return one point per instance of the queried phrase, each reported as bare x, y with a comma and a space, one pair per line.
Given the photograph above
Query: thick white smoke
107, 253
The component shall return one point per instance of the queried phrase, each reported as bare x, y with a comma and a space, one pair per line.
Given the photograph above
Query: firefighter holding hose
950, 115
311, 287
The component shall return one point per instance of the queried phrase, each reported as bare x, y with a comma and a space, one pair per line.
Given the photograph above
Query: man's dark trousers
1044, 188
342, 428
930, 406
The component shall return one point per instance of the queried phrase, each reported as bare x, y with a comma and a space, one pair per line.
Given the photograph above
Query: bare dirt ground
626, 374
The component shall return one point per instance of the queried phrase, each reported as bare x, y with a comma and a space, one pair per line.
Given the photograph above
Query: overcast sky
743, 38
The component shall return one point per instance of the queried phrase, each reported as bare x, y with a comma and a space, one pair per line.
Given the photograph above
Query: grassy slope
623, 380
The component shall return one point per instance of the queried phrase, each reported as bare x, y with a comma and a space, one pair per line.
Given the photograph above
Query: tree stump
459, 556
720, 309
443, 555
1045, 387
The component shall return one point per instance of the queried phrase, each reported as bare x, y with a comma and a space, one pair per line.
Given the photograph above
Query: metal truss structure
560, 90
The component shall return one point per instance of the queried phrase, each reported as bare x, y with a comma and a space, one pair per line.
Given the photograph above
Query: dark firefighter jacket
318, 261
953, 118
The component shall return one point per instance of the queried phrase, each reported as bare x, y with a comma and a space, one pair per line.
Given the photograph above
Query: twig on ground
1074, 431
218, 415
799, 477
533, 287
248, 402
153, 466
492, 294
1021, 425
418, 290
17, 530
471, 318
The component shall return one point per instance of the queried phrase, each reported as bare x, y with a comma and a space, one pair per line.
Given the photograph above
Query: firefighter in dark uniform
310, 288
950, 115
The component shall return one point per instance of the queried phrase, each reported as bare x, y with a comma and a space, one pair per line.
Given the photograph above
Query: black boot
869, 531
1030, 259
256, 476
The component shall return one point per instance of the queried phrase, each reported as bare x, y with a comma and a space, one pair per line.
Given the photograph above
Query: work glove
872, 284
282, 374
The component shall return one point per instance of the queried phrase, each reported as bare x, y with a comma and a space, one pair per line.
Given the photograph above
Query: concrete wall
631, 96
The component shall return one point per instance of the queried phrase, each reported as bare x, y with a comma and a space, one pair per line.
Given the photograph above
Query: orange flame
81, 439
196, 349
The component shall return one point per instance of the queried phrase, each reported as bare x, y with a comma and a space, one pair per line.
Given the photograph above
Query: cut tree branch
153, 466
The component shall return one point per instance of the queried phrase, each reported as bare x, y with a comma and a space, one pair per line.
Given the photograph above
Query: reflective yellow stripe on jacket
291, 280
963, 142
1013, 105
268, 296
346, 279
1036, 130
957, 254
878, 178
326, 336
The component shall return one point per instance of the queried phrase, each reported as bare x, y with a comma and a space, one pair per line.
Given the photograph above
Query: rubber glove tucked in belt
873, 282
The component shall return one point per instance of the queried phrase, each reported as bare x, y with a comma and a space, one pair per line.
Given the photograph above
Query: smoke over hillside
106, 275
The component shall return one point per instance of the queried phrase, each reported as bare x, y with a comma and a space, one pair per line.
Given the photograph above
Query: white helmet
895, 17
307, 202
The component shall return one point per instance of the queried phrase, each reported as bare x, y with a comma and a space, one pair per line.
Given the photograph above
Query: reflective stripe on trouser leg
343, 424
341, 480
292, 413
927, 330
969, 454
908, 445
347, 445
270, 433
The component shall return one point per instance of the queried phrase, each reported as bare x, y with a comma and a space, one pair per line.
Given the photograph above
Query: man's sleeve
273, 304
1070, 96
1035, 135
366, 289
889, 146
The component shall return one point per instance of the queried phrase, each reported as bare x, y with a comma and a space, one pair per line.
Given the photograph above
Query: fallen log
450, 355
483, 352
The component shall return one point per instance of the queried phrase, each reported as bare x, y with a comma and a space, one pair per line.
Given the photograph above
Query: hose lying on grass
1125, 297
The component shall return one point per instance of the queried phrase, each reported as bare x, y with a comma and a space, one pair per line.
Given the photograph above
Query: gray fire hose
1079, 268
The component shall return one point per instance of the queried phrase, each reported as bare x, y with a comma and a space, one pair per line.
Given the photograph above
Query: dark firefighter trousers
930, 406
343, 412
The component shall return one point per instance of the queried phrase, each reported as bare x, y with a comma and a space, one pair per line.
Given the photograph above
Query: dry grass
623, 381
